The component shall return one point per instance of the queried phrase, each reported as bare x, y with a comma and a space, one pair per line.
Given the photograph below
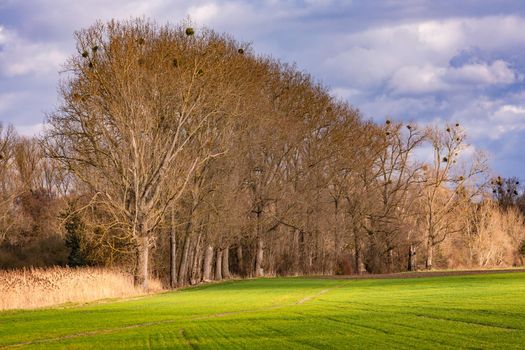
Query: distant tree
8, 189
449, 184
506, 191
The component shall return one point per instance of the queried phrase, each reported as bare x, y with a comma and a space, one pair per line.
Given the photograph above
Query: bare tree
136, 99
9, 191
398, 175
449, 183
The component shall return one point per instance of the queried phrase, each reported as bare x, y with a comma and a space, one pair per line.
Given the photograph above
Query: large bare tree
136, 99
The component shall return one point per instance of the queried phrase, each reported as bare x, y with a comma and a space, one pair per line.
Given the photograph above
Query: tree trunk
198, 277
183, 269
240, 260
359, 265
430, 253
412, 258
301, 246
218, 265
173, 258
189, 268
298, 252
336, 237
208, 259
259, 258
141, 273
225, 263
196, 257
390, 259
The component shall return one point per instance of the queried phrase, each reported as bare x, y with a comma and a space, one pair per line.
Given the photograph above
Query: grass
38, 287
475, 311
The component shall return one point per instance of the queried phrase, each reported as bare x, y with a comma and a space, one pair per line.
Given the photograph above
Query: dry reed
37, 287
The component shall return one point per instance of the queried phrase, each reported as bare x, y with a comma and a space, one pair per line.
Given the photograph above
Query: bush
74, 240
522, 248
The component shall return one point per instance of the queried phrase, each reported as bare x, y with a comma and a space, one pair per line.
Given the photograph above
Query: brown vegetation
37, 287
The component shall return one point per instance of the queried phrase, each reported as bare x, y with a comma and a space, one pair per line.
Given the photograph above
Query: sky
414, 60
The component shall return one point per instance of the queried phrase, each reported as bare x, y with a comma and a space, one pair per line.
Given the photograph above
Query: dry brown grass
36, 287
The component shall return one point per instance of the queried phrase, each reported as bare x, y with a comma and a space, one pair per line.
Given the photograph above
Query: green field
477, 311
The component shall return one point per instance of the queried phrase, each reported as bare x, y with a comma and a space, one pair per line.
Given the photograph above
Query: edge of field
397, 275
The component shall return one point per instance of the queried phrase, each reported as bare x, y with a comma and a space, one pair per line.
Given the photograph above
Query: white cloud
371, 58
344, 93
19, 56
492, 119
509, 117
3, 35
416, 80
440, 36
498, 72
204, 13
513, 109
30, 130
431, 79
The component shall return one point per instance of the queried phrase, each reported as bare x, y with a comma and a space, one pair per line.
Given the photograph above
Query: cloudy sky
414, 60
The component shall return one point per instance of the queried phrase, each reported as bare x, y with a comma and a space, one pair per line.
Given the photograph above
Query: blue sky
414, 60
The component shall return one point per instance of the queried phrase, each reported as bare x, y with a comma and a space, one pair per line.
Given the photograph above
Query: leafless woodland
182, 154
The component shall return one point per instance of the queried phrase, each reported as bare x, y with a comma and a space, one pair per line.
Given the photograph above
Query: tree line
183, 154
